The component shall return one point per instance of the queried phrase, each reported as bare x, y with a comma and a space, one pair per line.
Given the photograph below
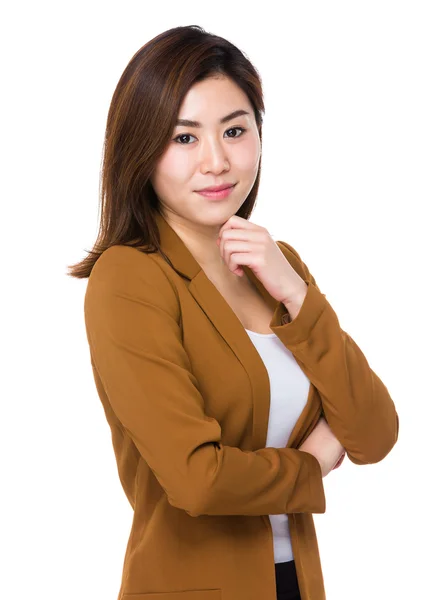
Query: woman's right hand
323, 444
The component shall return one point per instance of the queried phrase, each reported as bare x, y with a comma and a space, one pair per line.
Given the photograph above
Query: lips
220, 195
217, 188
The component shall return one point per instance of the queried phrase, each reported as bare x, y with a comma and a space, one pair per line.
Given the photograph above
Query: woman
215, 355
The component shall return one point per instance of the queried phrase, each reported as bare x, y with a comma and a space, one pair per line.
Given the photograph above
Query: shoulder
125, 263
127, 271
291, 254
287, 249
120, 256
297, 262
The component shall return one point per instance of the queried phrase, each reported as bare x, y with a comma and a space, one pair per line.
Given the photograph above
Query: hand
244, 243
323, 444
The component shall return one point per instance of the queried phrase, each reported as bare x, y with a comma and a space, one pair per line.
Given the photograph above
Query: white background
353, 176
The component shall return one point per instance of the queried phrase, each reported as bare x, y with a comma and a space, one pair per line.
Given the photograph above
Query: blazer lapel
230, 328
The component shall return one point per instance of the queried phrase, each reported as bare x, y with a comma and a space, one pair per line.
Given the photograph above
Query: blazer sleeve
132, 316
356, 404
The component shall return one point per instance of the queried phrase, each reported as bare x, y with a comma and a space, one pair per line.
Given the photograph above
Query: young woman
230, 389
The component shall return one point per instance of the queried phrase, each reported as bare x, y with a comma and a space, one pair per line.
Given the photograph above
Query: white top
289, 389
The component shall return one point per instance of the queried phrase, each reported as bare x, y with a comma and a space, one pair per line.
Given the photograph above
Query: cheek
172, 170
246, 157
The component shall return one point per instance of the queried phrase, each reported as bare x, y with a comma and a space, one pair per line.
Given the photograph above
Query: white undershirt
289, 389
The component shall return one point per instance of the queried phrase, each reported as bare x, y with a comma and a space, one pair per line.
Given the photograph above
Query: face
208, 155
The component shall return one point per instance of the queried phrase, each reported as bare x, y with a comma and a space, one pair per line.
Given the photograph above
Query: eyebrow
231, 116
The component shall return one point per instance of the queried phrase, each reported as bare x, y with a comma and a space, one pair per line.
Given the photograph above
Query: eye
188, 135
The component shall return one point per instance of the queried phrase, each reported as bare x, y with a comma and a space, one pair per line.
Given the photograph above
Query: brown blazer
186, 396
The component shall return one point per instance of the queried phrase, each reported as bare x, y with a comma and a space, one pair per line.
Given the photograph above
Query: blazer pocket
215, 594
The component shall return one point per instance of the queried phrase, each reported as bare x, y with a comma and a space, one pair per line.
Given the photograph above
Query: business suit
186, 396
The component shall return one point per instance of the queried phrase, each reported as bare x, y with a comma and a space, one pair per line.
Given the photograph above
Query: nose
213, 156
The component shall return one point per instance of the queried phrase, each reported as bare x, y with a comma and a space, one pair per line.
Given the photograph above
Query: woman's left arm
356, 403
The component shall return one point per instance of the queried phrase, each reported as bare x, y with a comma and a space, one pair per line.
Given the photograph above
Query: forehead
208, 102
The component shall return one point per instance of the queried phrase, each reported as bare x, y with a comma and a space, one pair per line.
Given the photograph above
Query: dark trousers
286, 581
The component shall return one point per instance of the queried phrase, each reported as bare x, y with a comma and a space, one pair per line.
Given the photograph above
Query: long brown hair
140, 123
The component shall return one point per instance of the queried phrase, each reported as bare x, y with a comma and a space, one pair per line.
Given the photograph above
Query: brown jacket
186, 396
